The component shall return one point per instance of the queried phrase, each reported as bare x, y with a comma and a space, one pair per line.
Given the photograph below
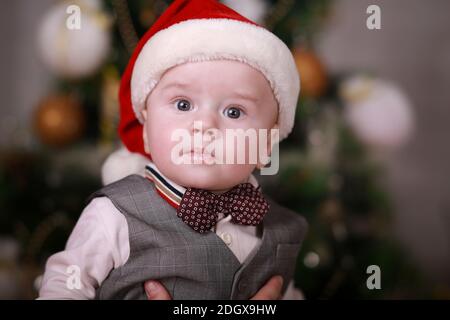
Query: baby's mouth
201, 156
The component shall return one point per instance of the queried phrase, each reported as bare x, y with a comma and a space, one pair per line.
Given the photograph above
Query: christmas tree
326, 173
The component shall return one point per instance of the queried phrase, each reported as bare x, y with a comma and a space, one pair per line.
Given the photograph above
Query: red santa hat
201, 30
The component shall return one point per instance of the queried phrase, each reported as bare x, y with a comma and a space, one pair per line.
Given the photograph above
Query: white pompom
121, 164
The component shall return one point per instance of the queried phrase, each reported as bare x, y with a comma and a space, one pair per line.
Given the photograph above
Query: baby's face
219, 95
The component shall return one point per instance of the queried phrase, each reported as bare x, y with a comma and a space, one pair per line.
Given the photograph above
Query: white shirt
99, 243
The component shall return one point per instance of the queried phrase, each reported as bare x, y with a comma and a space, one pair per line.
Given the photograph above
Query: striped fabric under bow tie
200, 209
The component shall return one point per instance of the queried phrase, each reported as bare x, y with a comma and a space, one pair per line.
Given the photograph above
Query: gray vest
192, 265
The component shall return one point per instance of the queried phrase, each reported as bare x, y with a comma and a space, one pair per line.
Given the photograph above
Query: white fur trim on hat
214, 39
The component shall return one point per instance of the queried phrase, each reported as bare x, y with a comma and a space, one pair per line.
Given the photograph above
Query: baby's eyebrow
238, 94
179, 85
245, 96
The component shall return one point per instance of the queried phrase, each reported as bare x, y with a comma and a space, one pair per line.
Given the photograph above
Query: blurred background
367, 164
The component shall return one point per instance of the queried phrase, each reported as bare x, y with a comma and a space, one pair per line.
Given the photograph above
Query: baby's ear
144, 114
271, 136
144, 132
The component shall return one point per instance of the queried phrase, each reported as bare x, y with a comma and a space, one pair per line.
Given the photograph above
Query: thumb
156, 291
271, 290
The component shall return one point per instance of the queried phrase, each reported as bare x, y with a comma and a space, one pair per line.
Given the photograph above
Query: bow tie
200, 209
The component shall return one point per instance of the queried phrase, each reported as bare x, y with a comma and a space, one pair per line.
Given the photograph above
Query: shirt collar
171, 191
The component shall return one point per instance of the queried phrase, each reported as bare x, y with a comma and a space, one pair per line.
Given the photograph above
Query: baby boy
198, 224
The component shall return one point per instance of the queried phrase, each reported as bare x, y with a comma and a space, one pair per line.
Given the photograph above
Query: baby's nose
207, 131
205, 124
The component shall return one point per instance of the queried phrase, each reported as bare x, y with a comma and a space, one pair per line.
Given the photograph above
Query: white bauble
255, 10
378, 111
75, 53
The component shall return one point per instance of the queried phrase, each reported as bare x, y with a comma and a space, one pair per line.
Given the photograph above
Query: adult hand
270, 291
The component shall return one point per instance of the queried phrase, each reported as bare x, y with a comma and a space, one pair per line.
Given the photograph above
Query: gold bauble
331, 211
314, 79
59, 120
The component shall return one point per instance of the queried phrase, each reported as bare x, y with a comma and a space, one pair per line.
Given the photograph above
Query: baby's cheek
159, 141
234, 174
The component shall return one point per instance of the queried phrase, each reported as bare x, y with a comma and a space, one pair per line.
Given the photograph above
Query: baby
200, 226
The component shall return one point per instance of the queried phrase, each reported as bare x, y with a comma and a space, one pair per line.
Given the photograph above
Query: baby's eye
233, 112
183, 105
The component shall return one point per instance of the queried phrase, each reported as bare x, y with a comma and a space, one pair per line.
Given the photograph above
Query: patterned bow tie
200, 209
